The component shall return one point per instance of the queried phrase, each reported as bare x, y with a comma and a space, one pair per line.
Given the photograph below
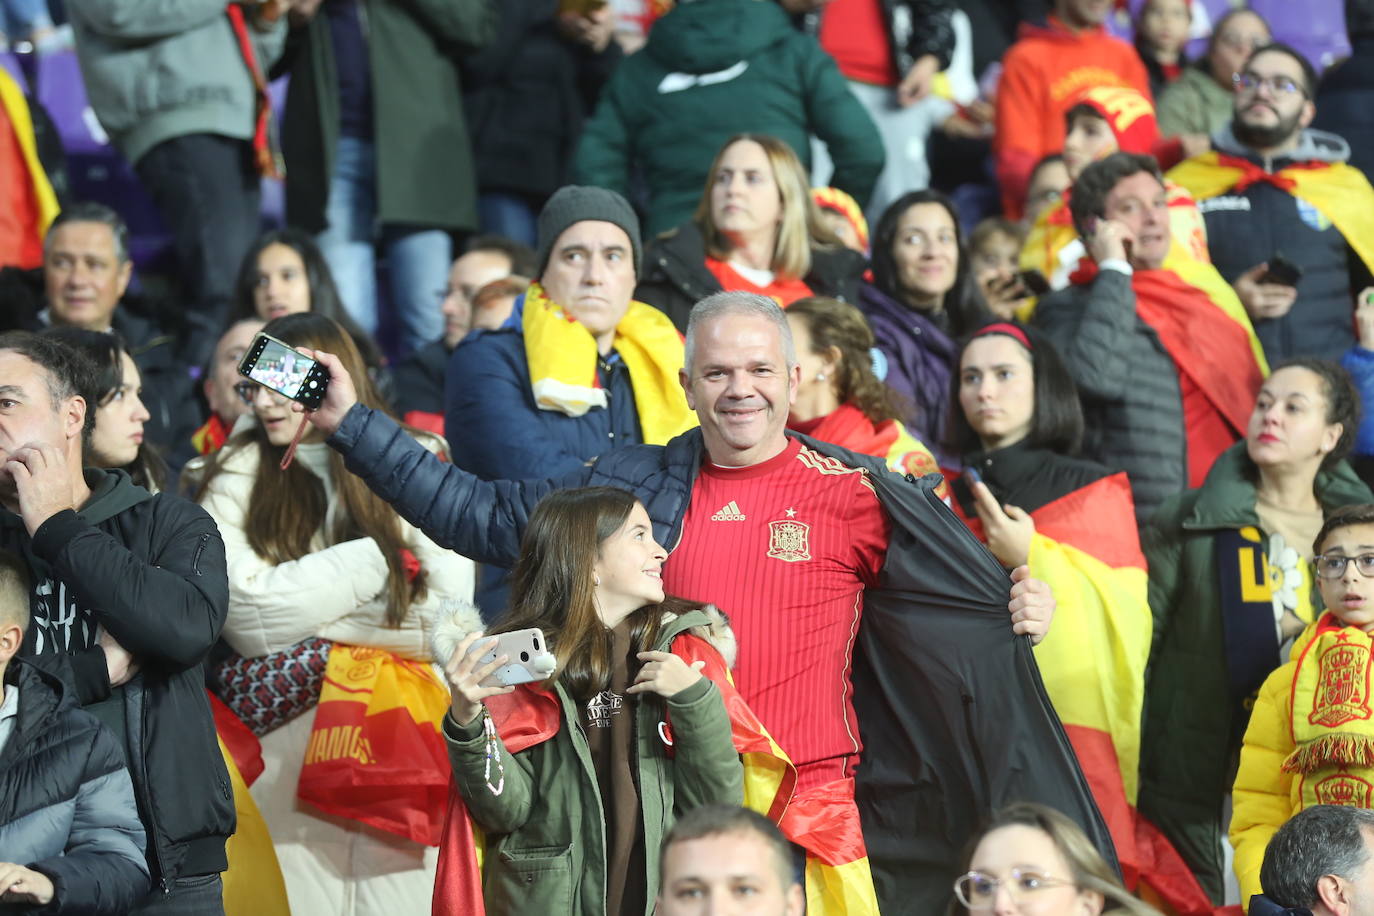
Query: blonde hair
801, 228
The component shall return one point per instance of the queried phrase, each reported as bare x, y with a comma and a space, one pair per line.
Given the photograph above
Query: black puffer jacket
66, 805
954, 717
675, 275
150, 570
1132, 403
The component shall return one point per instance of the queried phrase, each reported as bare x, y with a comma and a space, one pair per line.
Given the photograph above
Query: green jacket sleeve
835, 115
1180, 111
602, 158
1163, 553
708, 768
467, 754
469, 24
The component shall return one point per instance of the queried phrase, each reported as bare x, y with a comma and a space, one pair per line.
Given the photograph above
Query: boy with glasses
1311, 735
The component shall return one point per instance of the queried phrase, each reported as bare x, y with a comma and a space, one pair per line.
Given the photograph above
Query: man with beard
1273, 188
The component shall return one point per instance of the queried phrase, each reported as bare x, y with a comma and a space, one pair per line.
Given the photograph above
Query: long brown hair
552, 585
286, 508
801, 229
837, 324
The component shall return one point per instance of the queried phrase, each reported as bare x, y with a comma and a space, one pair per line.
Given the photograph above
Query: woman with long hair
116, 440
757, 229
922, 298
839, 399
1032, 859
1230, 587
570, 779
313, 554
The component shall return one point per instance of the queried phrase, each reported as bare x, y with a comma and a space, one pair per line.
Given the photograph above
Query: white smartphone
528, 657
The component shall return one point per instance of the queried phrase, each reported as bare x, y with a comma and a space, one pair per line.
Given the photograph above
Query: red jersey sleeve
869, 532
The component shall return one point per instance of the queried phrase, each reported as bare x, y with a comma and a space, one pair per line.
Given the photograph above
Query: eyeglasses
1278, 85
1332, 566
248, 392
978, 891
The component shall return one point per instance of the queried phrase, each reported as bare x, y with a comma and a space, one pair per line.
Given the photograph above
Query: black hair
324, 294
1343, 517
1082, 109
1096, 181
1056, 421
719, 819
963, 303
1342, 401
1309, 73
106, 351
1317, 841
523, 261
70, 373
88, 211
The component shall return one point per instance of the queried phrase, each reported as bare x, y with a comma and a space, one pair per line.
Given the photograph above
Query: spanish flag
29, 203
528, 717
1340, 192
1093, 664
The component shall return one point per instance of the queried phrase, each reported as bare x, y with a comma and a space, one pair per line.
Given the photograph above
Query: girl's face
283, 287
1288, 428
1089, 140
997, 389
1164, 24
629, 567
119, 420
744, 193
1020, 872
926, 250
994, 265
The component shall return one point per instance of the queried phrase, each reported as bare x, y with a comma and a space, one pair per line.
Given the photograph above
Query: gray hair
91, 212
1318, 841
719, 305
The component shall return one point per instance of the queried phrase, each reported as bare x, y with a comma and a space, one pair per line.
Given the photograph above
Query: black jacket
168, 390
914, 28
954, 717
527, 95
1247, 228
417, 381
1345, 102
66, 805
675, 277
150, 570
1128, 383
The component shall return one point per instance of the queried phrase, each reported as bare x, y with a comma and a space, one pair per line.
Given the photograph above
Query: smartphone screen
285, 370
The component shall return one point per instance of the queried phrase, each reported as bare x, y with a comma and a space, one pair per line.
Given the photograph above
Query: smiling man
1163, 415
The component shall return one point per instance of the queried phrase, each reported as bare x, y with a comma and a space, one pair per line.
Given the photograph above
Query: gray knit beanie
577, 203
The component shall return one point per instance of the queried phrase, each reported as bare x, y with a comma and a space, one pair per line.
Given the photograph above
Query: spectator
1048, 181
1271, 186
548, 395
1318, 864
1041, 74
220, 386
716, 513
27, 200
1347, 89
757, 230
1200, 101
183, 97
116, 438
128, 597
366, 80
890, 53
86, 272
590, 578
71, 835
1016, 425
839, 400
1101, 122
1291, 762
722, 67
1033, 853
1166, 374
527, 95
1161, 34
419, 379
842, 214
314, 555
922, 296
716, 851
285, 272
994, 246
1229, 585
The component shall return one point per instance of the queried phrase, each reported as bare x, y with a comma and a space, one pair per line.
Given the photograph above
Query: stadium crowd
777, 456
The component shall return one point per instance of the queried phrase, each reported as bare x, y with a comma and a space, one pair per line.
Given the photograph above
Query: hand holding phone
527, 658
285, 370
1281, 271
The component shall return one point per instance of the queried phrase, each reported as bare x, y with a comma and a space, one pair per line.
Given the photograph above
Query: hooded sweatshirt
712, 69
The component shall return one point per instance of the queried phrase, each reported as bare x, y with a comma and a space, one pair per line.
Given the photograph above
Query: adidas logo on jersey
729, 513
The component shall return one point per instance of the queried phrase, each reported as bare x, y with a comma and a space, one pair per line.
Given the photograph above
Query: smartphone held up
528, 658
285, 370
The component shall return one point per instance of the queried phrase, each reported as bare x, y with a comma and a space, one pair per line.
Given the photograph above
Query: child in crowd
70, 837
1311, 735
994, 246
1161, 33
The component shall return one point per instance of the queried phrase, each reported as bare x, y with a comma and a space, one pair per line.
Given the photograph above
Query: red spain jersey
786, 548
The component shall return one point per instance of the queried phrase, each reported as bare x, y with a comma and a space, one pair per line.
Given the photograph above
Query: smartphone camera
285, 370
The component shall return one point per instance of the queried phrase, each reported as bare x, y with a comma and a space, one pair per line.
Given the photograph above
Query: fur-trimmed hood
456, 619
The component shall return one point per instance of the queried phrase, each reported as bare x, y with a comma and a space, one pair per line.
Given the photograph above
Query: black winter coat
1345, 102
675, 277
955, 719
150, 570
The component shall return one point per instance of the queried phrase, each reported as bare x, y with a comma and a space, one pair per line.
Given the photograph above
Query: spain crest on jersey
788, 540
